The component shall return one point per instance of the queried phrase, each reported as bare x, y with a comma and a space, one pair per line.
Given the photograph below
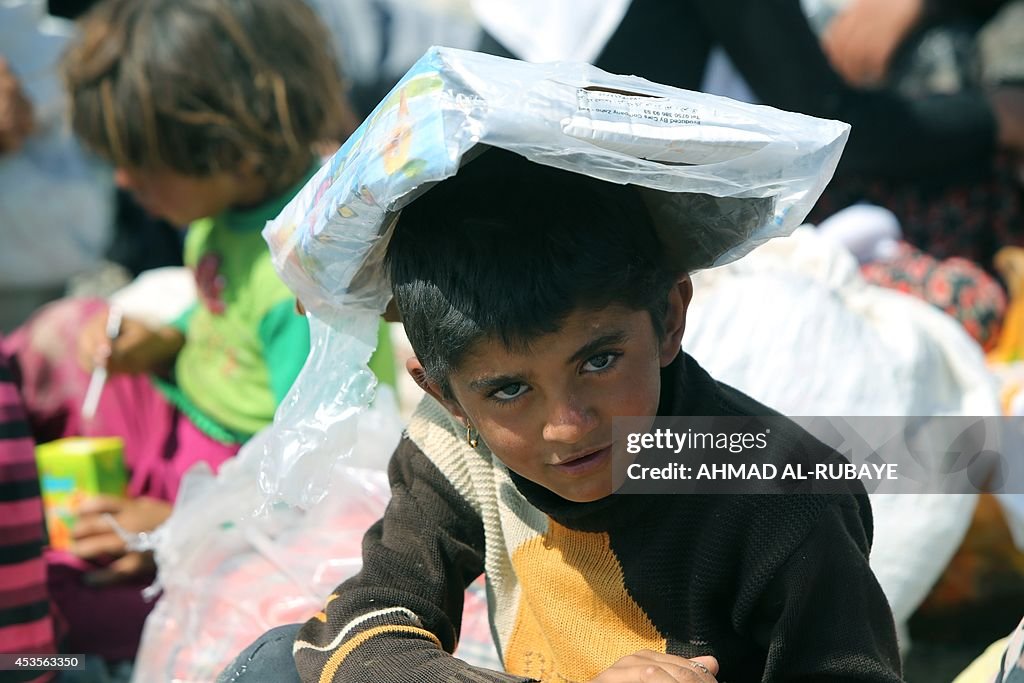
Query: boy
538, 306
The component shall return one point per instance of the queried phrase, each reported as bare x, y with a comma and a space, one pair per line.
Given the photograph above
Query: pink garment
26, 615
160, 444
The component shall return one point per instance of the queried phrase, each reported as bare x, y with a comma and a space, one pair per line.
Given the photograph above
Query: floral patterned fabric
957, 286
971, 219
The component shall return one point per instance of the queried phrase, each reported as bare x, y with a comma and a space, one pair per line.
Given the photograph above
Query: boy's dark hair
507, 249
198, 86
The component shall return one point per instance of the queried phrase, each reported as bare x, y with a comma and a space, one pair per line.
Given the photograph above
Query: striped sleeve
398, 620
26, 625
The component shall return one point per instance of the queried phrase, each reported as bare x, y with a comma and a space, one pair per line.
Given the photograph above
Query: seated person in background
539, 307
209, 110
938, 162
47, 243
866, 34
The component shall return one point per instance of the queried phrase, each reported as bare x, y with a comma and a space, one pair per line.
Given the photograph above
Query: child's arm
138, 348
823, 616
398, 619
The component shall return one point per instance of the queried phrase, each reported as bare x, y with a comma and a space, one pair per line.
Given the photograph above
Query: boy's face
547, 413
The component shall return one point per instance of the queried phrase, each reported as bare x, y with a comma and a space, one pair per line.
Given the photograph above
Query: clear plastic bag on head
718, 176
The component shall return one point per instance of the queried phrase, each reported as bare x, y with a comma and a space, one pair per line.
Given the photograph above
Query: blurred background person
933, 148
56, 204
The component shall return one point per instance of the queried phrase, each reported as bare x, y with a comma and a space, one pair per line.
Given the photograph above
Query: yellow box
73, 469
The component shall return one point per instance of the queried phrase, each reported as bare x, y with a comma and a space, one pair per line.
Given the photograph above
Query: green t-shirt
244, 342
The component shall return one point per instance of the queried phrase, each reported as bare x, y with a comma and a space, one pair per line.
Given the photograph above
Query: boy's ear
419, 375
679, 298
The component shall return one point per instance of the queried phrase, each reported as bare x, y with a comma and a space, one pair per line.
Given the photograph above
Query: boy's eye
601, 361
510, 391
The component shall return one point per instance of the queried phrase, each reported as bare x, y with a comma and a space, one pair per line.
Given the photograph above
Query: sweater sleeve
398, 620
823, 616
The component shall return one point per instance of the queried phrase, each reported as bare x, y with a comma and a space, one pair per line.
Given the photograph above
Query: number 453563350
30, 662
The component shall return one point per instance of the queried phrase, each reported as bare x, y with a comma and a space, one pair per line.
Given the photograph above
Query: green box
73, 469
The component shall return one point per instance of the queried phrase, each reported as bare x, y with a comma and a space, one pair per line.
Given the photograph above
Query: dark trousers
268, 659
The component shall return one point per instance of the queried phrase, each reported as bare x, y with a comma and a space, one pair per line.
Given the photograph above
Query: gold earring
473, 441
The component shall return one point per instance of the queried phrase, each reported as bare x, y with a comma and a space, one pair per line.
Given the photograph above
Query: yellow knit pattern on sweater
574, 639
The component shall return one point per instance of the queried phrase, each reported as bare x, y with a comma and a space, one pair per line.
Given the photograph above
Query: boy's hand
15, 111
136, 349
94, 537
647, 666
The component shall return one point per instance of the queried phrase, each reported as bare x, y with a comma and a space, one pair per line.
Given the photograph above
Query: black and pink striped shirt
26, 623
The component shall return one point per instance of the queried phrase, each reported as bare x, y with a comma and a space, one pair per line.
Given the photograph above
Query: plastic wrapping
229, 575
721, 177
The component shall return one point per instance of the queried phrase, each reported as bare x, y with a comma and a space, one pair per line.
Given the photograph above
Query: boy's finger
656, 674
673, 660
710, 663
637, 673
677, 668
671, 673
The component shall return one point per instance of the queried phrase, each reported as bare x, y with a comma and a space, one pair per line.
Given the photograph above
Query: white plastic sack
795, 326
229, 571
718, 176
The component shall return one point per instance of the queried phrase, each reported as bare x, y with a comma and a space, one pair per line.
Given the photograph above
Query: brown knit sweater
777, 587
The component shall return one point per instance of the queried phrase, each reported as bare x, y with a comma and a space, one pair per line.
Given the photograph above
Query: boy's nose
569, 422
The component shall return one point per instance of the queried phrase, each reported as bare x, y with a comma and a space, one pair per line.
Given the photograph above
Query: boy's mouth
585, 462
